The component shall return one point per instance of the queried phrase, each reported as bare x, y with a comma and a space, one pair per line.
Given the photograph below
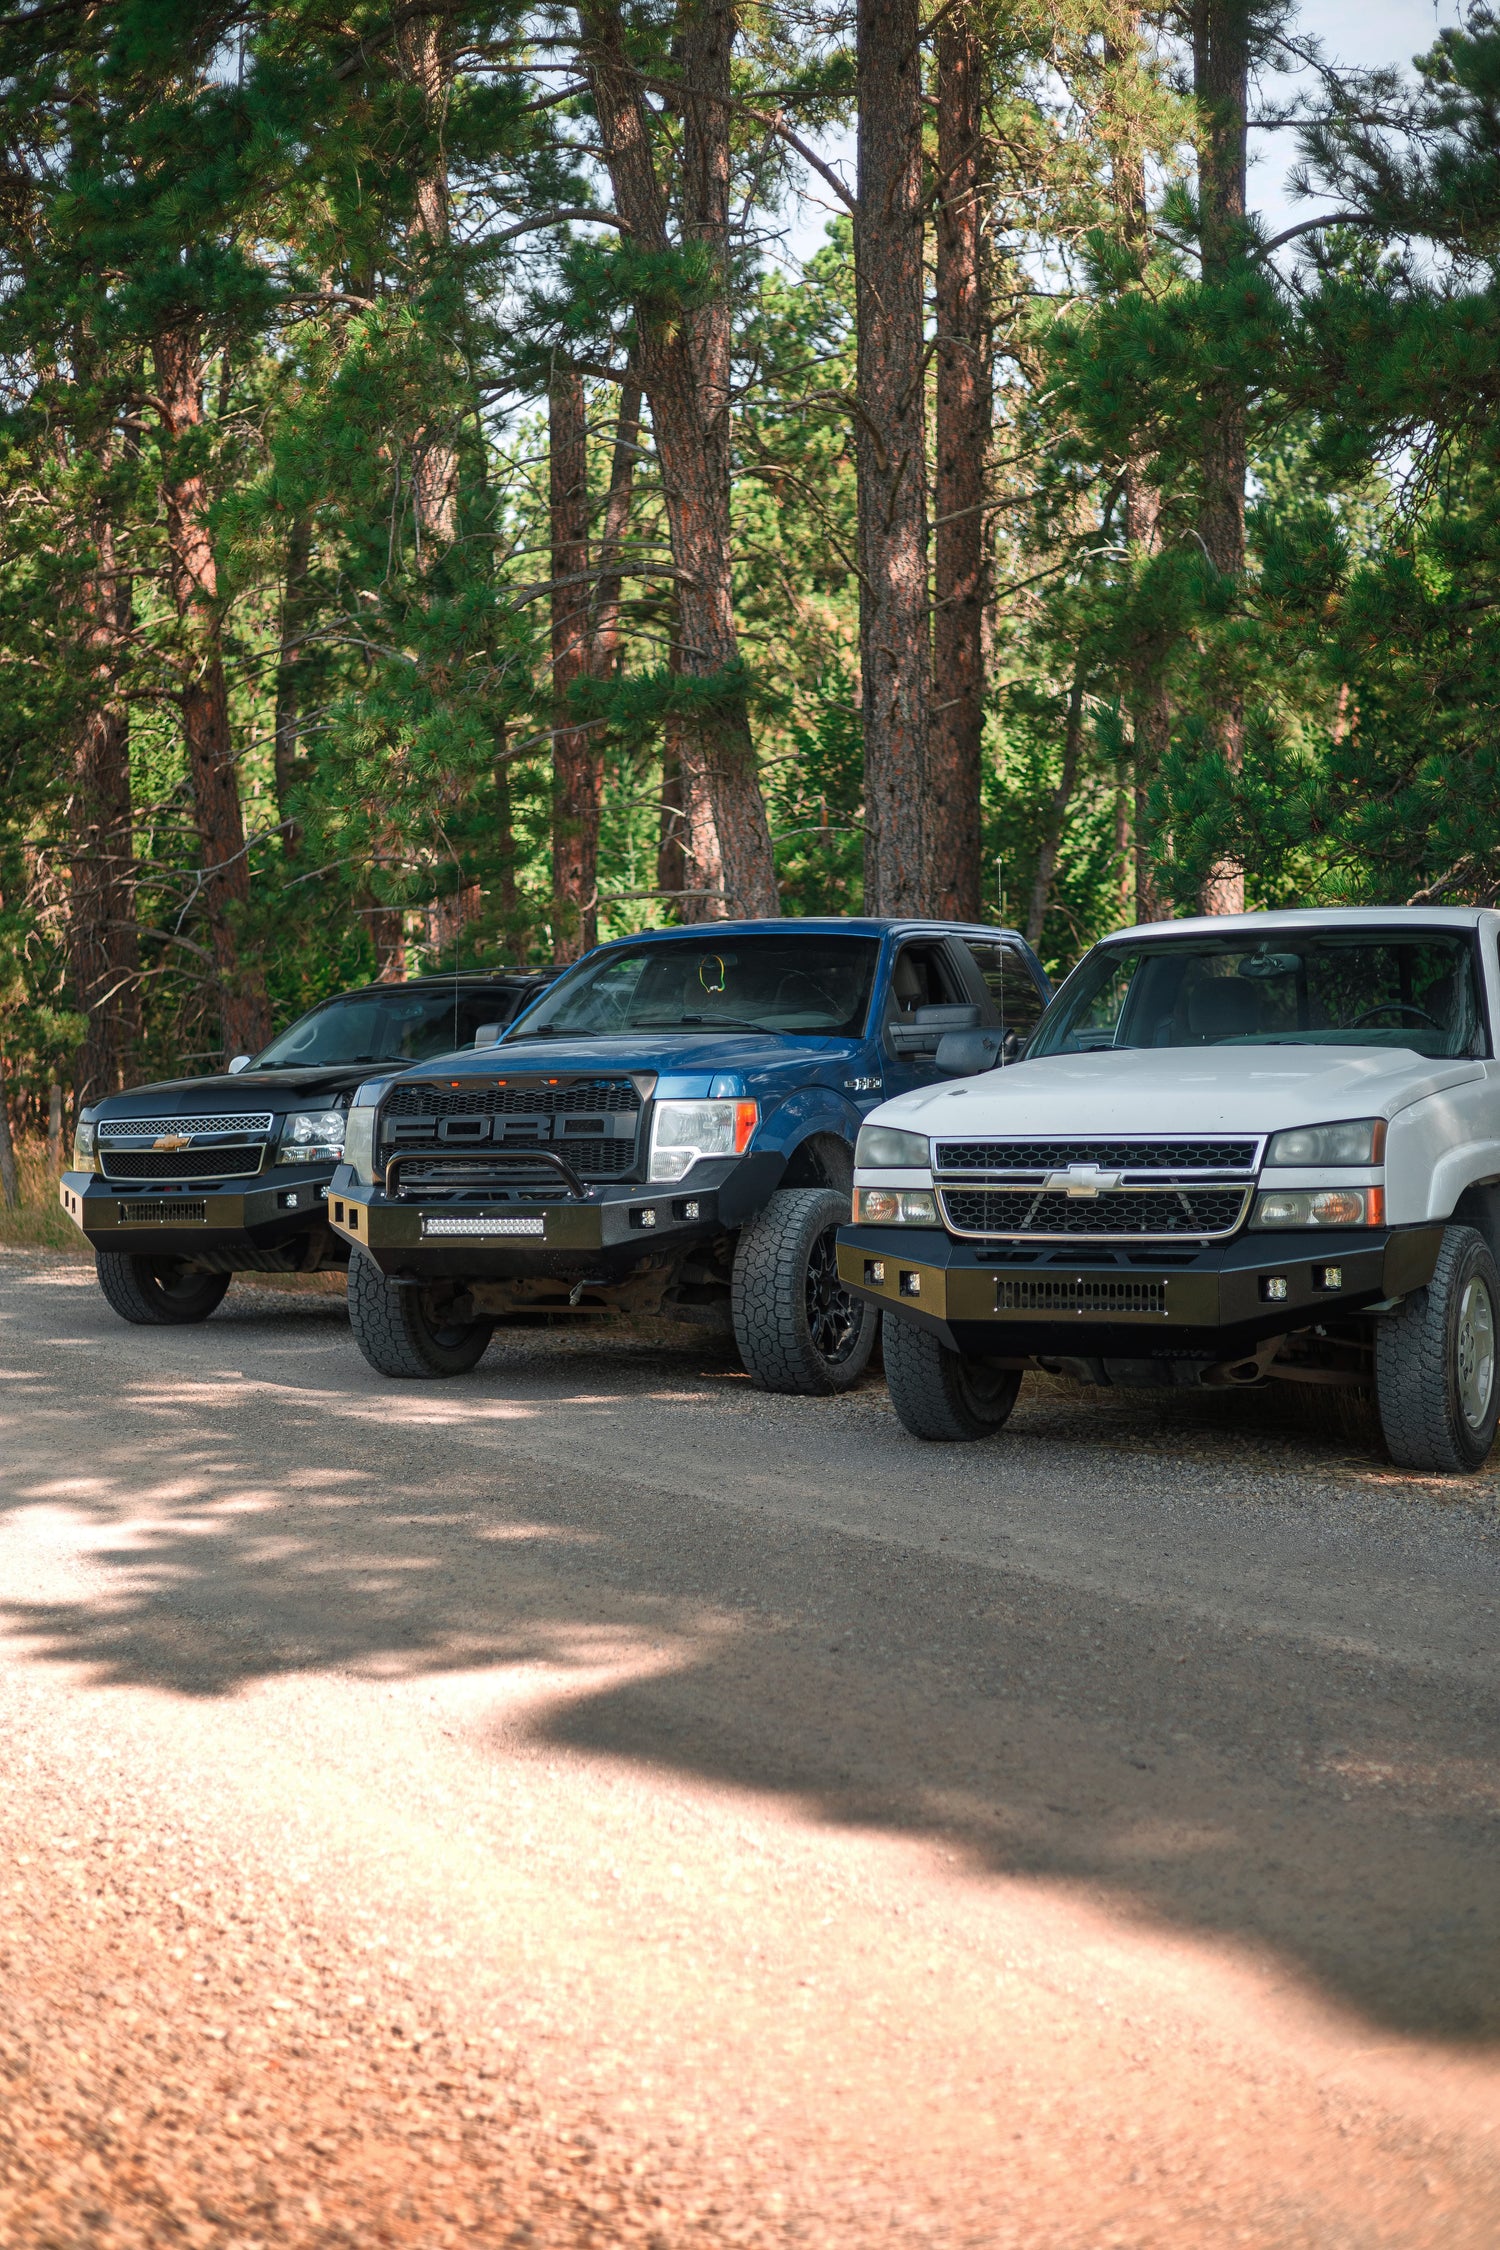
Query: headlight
1320, 1207
83, 1142
1361, 1142
881, 1147
895, 1207
681, 1132
359, 1131
312, 1136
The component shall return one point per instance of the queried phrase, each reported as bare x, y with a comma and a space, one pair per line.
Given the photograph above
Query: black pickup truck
179, 1186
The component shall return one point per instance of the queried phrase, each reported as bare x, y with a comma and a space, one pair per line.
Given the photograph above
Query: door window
1009, 982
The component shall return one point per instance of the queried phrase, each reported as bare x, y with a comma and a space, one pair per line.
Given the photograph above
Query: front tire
405, 1332
799, 1330
945, 1397
157, 1292
1435, 1363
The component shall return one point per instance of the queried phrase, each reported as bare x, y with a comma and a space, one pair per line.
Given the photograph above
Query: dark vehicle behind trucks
670, 1130
180, 1185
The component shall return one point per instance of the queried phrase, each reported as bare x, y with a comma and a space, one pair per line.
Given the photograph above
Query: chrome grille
1125, 1212
131, 1131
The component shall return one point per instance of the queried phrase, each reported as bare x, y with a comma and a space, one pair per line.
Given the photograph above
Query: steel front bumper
1211, 1304
245, 1224
604, 1235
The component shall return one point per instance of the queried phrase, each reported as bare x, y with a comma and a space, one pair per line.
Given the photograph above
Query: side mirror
964, 1054
488, 1034
237, 1063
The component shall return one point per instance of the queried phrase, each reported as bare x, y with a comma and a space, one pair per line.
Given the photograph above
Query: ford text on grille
594, 1123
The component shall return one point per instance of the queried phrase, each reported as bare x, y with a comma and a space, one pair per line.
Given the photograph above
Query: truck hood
276, 1090
1180, 1090
756, 1059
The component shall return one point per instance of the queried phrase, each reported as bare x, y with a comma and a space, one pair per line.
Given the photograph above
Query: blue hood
686, 1063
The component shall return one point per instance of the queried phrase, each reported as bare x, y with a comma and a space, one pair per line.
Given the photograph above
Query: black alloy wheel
799, 1330
834, 1314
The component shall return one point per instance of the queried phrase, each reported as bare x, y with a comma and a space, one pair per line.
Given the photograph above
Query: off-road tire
1437, 1385
944, 1396
157, 1292
788, 1304
401, 1333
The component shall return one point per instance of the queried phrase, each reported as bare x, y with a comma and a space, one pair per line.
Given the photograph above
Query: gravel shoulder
594, 1802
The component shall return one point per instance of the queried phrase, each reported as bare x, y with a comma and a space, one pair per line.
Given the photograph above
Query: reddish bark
426, 66
577, 765
1057, 813
1221, 77
604, 616
684, 371
103, 944
960, 545
204, 694
895, 660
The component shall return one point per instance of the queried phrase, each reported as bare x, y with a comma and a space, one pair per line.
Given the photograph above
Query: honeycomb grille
1030, 1211
1111, 1300
614, 1097
1110, 1156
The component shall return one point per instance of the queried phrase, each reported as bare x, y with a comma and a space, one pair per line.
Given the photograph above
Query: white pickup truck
1242, 1150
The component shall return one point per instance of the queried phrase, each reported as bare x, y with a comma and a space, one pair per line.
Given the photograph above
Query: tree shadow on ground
1335, 1807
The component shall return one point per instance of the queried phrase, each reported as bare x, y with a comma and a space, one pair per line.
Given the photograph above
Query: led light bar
537, 1225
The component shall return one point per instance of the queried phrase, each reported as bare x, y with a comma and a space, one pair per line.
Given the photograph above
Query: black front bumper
1154, 1302
604, 1235
278, 1222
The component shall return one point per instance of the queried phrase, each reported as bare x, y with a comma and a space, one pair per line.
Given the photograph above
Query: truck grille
1110, 1156
1120, 1212
135, 1130
1110, 1300
594, 1123
212, 1163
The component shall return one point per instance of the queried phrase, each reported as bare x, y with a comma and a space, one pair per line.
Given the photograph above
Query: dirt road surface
593, 1804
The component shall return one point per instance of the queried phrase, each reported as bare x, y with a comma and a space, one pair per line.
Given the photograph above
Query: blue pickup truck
669, 1130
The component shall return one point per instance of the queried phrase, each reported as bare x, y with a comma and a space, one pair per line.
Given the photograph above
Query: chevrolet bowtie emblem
1082, 1180
174, 1140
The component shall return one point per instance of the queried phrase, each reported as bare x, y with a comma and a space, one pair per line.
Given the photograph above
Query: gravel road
591, 1803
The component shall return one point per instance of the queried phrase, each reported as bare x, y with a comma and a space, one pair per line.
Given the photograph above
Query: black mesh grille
530, 1099
593, 1123
1111, 1299
180, 1163
1029, 1211
1110, 1156
162, 1211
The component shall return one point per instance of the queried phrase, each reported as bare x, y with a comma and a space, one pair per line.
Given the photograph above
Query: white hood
1179, 1090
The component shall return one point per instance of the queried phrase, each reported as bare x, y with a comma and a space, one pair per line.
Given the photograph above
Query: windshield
392, 1026
794, 983
1373, 988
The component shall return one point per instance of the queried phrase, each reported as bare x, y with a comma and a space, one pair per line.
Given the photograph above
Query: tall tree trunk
426, 66
204, 694
517, 939
1057, 813
290, 668
577, 766
960, 546
895, 662
684, 371
10, 1185
1221, 77
103, 944
609, 579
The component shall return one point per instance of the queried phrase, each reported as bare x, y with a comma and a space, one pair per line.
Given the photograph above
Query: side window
921, 978
1010, 984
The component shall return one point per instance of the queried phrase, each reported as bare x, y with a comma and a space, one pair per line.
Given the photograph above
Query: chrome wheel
834, 1315
1474, 1352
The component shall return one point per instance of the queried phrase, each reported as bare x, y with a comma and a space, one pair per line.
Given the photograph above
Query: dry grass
41, 1222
